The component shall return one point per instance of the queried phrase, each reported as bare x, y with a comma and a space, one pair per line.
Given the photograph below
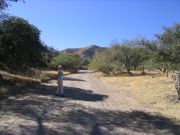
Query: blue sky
79, 23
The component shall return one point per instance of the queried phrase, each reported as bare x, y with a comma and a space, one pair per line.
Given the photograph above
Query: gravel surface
89, 107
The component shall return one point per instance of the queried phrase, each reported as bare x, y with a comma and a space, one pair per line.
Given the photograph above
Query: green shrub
69, 62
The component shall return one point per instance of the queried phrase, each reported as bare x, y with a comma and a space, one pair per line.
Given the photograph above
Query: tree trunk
177, 84
128, 70
142, 73
164, 70
1, 79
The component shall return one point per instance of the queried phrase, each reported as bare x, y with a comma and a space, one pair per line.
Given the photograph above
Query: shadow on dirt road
34, 110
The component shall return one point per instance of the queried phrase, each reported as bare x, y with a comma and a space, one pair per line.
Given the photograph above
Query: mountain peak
93, 46
86, 52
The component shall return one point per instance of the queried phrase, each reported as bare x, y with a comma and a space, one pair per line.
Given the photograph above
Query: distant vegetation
163, 53
70, 62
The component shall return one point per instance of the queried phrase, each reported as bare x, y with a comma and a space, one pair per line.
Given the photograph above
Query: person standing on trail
60, 90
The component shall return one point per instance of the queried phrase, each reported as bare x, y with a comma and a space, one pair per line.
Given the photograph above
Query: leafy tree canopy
5, 3
68, 61
20, 44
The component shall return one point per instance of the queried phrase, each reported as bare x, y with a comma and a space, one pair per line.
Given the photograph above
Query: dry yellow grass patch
154, 91
53, 72
10, 76
50, 74
14, 80
37, 77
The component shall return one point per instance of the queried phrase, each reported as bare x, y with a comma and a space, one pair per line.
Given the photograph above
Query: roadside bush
69, 62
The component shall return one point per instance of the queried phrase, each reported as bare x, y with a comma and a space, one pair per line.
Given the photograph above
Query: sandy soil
90, 107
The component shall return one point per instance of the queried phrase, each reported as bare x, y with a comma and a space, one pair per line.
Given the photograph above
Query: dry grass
14, 80
14, 83
49, 74
36, 77
153, 90
9, 76
53, 72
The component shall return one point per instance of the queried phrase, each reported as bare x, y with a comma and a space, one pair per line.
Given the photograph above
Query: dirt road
90, 107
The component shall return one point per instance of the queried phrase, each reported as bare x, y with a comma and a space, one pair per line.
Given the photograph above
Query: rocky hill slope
86, 52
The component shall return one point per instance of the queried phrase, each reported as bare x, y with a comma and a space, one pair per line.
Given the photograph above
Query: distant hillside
86, 52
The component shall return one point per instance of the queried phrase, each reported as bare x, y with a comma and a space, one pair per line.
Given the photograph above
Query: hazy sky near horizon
78, 23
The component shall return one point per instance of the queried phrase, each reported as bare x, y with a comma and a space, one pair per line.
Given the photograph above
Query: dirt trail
90, 107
